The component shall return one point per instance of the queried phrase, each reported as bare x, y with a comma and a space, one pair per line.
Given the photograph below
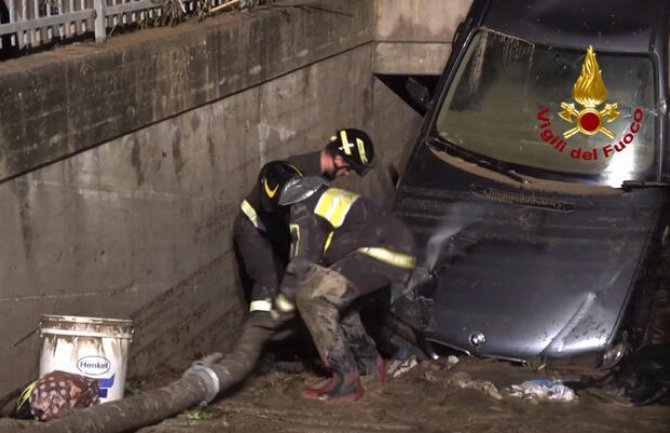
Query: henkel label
93, 365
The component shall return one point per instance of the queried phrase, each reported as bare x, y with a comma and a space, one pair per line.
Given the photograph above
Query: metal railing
31, 23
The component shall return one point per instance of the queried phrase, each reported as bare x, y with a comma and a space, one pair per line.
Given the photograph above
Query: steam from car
458, 217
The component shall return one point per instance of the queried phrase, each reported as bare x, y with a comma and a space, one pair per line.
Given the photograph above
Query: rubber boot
373, 368
340, 387
368, 360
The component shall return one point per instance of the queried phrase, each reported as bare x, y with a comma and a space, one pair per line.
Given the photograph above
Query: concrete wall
413, 37
139, 225
57, 103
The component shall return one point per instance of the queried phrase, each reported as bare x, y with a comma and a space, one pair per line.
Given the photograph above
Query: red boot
340, 387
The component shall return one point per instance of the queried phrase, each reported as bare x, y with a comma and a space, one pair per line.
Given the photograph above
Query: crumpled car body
541, 200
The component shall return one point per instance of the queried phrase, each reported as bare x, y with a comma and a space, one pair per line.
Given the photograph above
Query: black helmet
355, 147
271, 181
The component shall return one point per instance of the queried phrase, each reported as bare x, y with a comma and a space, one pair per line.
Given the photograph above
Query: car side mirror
418, 92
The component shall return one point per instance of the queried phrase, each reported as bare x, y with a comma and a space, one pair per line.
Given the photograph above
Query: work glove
282, 304
283, 309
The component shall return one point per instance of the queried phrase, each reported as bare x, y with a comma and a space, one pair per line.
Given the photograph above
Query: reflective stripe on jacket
333, 223
393, 258
250, 212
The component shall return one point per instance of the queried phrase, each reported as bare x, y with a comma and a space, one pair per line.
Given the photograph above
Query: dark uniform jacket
334, 223
262, 239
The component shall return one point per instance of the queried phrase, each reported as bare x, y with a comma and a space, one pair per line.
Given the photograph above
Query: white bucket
89, 346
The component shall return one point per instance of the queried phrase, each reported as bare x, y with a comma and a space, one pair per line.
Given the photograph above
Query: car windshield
572, 114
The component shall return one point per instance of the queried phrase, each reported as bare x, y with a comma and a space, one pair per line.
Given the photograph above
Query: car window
513, 101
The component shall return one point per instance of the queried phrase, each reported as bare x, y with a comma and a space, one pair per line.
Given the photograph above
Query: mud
427, 398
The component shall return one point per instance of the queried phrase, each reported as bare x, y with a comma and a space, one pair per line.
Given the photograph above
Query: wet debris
451, 360
398, 367
464, 381
542, 389
200, 414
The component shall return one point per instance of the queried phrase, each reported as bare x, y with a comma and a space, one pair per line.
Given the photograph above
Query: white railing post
100, 7
11, 9
20, 42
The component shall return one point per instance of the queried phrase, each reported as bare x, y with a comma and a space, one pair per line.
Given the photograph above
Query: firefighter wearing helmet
354, 147
343, 246
260, 235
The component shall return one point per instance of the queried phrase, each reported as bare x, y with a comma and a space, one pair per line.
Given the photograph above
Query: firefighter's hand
283, 308
282, 304
410, 289
420, 276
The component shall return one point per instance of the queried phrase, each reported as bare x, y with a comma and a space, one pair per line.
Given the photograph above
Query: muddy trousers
325, 302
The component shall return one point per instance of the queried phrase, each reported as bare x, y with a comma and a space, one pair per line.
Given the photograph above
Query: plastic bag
542, 389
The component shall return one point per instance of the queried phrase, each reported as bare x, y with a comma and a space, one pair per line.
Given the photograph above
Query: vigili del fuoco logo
588, 116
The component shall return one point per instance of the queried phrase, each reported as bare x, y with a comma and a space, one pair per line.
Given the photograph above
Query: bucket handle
25, 337
68, 332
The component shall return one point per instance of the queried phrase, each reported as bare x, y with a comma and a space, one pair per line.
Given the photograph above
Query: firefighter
260, 235
343, 247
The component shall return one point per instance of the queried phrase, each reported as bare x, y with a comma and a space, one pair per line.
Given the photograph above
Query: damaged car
539, 182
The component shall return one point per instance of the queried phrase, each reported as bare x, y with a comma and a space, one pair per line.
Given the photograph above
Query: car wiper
442, 145
628, 185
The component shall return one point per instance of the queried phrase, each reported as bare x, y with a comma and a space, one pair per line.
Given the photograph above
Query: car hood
522, 274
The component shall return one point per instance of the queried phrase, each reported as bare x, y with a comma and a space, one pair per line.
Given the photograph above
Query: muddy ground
427, 398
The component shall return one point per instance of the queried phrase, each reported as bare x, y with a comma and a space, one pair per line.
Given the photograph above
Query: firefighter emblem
589, 91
